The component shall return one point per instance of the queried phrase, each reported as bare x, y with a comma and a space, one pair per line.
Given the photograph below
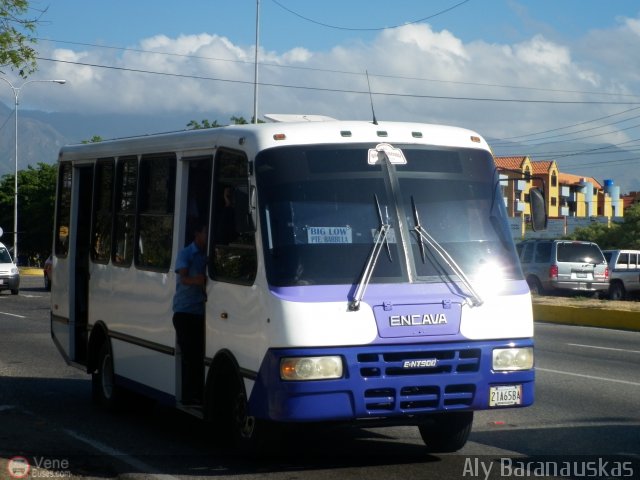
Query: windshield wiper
380, 240
424, 236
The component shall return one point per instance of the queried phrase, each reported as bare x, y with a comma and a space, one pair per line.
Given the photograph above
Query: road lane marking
121, 456
603, 348
12, 315
590, 377
555, 426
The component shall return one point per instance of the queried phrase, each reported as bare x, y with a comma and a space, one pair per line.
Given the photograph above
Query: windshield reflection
319, 221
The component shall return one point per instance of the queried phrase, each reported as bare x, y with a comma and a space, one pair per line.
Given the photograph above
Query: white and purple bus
357, 272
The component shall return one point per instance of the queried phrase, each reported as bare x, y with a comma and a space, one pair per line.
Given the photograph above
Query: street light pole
16, 95
255, 65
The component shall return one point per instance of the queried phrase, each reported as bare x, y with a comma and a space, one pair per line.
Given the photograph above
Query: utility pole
255, 70
16, 95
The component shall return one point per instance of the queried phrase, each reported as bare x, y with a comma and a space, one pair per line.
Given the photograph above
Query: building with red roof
566, 195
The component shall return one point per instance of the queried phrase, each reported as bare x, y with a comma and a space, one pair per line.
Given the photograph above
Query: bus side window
63, 213
125, 211
233, 254
102, 211
156, 198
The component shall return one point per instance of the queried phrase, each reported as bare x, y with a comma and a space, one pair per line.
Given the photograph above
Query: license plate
581, 275
505, 395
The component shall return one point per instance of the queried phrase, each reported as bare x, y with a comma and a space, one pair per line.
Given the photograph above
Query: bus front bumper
393, 382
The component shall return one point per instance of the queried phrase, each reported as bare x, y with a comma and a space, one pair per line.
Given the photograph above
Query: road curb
588, 317
30, 271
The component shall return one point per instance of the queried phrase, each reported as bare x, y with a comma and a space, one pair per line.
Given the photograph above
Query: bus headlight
310, 368
505, 359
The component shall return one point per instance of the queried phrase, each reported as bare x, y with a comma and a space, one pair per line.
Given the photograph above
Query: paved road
587, 410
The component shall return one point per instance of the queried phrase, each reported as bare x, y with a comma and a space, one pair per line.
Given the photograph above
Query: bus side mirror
244, 211
538, 209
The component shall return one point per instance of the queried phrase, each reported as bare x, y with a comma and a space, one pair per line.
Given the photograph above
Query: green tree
17, 37
36, 199
630, 229
625, 234
94, 139
195, 125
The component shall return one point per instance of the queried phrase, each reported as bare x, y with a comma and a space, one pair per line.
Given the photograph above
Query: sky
545, 73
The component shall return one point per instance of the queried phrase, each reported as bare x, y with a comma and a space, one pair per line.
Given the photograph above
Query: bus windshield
322, 206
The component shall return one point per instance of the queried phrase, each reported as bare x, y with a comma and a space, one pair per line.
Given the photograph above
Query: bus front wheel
446, 432
104, 390
232, 417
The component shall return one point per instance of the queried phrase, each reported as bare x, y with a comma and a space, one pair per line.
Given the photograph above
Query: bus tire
103, 387
234, 425
446, 432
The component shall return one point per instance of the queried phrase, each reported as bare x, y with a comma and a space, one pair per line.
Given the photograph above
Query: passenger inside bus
225, 218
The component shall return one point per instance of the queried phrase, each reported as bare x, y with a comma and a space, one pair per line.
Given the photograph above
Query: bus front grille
418, 381
391, 364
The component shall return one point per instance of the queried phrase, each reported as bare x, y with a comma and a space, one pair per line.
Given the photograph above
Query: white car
9, 274
624, 268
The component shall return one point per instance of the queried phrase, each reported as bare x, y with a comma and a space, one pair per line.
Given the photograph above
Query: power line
588, 136
563, 153
571, 126
335, 90
602, 150
552, 154
345, 72
372, 29
498, 85
605, 163
591, 150
140, 50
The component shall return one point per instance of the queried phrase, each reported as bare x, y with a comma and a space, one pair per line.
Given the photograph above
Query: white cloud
633, 24
443, 44
415, 61
210, 76
541, 53
67, 66
297, 55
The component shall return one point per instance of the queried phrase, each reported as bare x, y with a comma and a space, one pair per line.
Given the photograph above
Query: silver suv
624, 266
556, 265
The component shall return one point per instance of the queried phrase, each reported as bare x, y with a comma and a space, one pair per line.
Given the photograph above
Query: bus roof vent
289, 117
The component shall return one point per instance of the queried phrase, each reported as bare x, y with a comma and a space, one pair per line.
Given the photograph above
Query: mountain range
41, 134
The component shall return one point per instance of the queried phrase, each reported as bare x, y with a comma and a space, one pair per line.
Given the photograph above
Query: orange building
513, 171
566, 195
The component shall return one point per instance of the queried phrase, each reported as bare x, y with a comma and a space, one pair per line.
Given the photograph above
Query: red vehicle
48, 264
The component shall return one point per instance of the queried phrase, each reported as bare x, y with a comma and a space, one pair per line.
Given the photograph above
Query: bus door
80, 284
196, 212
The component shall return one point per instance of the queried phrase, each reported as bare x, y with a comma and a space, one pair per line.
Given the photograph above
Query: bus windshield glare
321, 209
